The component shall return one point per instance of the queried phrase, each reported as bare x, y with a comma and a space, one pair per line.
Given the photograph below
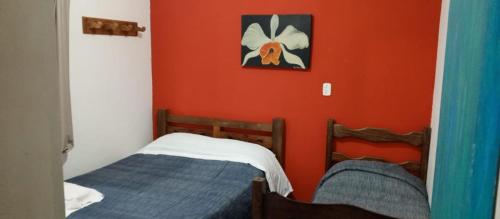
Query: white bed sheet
208, 148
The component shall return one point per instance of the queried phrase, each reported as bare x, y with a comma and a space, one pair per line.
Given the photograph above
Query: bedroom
384, 60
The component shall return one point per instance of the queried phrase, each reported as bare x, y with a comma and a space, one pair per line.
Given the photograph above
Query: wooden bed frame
268, 135
419, 139
271, 205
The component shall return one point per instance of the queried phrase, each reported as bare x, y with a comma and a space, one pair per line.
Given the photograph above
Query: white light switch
327, 89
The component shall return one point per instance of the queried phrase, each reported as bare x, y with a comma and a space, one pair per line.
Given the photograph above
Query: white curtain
62, 22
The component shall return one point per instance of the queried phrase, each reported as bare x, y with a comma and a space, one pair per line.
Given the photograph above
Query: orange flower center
270, 53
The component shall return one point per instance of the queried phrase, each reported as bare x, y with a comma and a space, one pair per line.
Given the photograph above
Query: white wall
438, 84
111, 87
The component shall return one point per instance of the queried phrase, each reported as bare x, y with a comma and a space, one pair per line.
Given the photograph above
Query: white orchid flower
270, 49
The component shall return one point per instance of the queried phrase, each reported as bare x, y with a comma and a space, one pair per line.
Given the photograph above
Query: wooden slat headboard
420, 139
269, 135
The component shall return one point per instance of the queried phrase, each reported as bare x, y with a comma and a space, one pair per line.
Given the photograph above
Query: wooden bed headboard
420, 139
269, 135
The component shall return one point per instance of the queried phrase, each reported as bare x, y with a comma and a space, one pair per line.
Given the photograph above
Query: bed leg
258, 190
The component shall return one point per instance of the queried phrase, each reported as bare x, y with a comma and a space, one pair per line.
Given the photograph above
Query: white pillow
208, 148
77, 197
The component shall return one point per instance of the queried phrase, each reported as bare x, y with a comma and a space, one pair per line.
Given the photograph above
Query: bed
361, 187
197, 168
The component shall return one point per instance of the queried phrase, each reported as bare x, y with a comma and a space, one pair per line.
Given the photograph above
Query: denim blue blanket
161, 186
383, 188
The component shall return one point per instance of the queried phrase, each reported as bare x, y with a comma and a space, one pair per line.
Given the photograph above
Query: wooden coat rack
110, 27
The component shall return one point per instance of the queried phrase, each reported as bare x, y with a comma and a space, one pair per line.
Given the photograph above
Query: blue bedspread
383, 188
161, 186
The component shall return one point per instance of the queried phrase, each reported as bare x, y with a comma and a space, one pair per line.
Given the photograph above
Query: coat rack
110, 27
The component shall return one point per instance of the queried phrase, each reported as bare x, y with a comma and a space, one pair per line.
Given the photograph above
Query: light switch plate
327, 89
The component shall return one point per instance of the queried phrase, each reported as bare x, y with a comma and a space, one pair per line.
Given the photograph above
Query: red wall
379, 56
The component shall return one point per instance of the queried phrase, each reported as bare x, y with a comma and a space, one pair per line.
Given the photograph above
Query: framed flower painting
282, 41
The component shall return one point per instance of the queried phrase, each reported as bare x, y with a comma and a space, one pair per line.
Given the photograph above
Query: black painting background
301, 22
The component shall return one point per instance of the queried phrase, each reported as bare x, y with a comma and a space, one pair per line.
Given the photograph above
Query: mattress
164, 186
